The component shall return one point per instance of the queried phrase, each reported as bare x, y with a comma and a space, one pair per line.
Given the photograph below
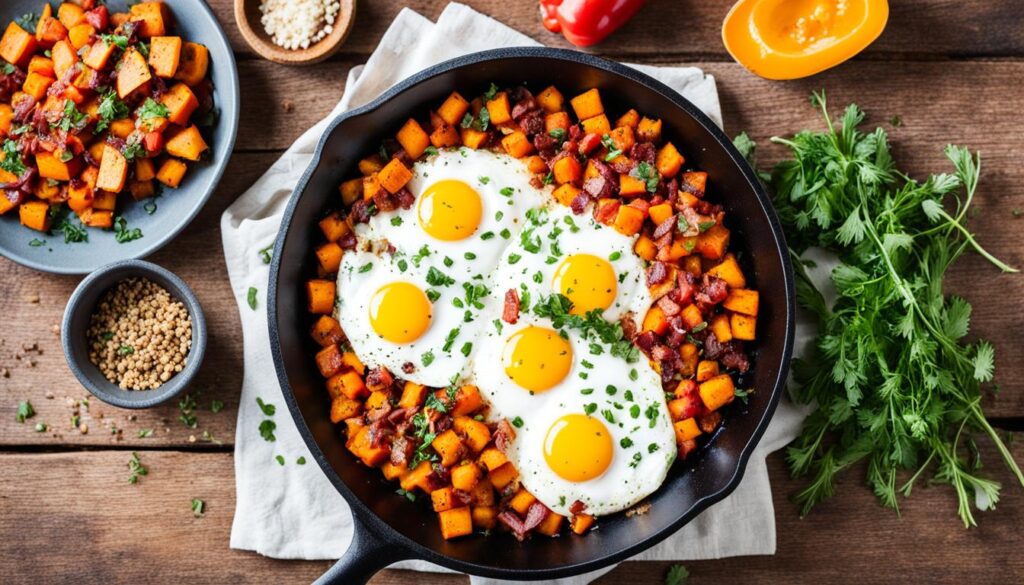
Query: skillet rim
377, 527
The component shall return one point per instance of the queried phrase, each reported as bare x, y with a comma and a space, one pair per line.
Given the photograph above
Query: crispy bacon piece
735, 359
504, 434
668, 306
597, 187
579, 203
642, 151
531, 123
645, 340
545, 145
11, 83
360, 211
536, 514
401, 450
577, 507
384, 202
712, 291
510, 314
347, 242
666, 227
606, 212
709, 422
657, 273
588, 143
379, 377
628, 325
687, 286
408, 368
404, 198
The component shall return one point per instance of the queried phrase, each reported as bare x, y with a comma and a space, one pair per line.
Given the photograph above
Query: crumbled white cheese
297, 24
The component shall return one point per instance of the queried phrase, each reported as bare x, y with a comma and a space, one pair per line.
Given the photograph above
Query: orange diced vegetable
187, 143
17, 45
648, 130
413, 138
645, 247
655, 320
567, 170
581, 523
551, 100
352, 384
713, 242
152, 15
343, 407
334, 227
743, 327
194, 62
686, 430
717, 391
70, 14
629, 220
36, 85
706, 370
485, 517
474, 433
630, 186
165, 55
449, 447
320, 294
132, 73
630, 118
394, 176
413, 395
51, 167
465, 477
453, 109
473, 138
720, 327
521, 501
41, 65
456, 522
587, 104
551, 524
742, 300
499, 108
352, 360
668, 161
171, 172
98, 54
328, 360
329, 255
444, 499
326, 331
503, 475
180, 102
729, 270
113, 170
517, 144
564, 194
492, 458
35, 215
598, 124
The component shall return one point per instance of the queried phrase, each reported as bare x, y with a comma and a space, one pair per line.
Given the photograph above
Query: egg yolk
586, 280
450, 210
537, 358
578, 447
400, 312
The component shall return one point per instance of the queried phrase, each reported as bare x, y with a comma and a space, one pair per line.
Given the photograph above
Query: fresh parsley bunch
895, 383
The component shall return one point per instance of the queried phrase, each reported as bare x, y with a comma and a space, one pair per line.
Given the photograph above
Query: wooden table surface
950, 70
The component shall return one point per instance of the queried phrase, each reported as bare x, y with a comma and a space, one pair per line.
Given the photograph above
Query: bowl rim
179, 290
219, 167
376, 526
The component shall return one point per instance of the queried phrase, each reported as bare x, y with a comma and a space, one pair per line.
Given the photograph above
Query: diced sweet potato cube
422, 476
499, 108
598, 124
485, 517
630, 118
352, 384
564, 194
351, 190
36, 85
521, 501
152, 16
551, 524
362, 446
132, 73
193, 65
551, 99
483, 493
343, 407
98, 218
329, 255
691, 316
741, 300
630, 186
720, 327
327, 331
456, 522
104, 200
165, 55
581, 523
473, 138
474, 433
645, 247
394, 176
706, 369
717, 391
729, 270
628, 220
413, 138
113, 170
51, 167
668, 160
743, 327
186, 143
320, 295
35, 215
655, 320
334, 226
622, 137
171, 172
686, 430
557, 121
467, 400
694, 183
567, 170
122, 128
17, 45
6, 118
41, 65
328, 361
587, 104
70, 14
392, 471
80, 196
465, 477
444, 499
352, 360
517, 144
98, 54
180, 102
444, 134
413, 395
713, 242
503, 475
453, 109
648, 130
49, 30
492, 458
81, 35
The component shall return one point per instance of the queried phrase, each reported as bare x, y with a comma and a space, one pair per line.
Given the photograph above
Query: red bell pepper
587, 22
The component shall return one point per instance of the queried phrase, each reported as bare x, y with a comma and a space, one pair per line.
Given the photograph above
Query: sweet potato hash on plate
97, 108
528, 311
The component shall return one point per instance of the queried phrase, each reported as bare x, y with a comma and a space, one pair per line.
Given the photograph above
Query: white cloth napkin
291, 511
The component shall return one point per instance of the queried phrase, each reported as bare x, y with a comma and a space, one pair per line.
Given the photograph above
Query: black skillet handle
367, 554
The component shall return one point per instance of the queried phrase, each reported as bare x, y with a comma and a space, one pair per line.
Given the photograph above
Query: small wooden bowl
247, 15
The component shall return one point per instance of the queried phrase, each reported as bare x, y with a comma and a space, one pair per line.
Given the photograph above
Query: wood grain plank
110, 531
196, 256
690, 27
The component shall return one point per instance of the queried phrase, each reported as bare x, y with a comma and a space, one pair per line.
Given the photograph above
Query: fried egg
592, 265
589, 426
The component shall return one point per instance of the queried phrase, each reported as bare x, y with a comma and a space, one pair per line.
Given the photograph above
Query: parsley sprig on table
896, 384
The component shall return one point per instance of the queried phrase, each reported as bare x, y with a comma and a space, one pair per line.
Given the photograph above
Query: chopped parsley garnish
136, 469
437, 278
71, 119
12, 161
449, 341
430, 151
615, 256
558, 134
144, 433
590, 408
487, 235
36, 242
517, 422
25, 411
626, 442
267, 428
484, 180
366, 267
119, 41
267, 254
513, 258
428, 358
396, 221
280, 460
423, 253
507, 191
646, 173
198, 507
250, 297
124, 235
152, 109
469, 256
466, 348
268, 409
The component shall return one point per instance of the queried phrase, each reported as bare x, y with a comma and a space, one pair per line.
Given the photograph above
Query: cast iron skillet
389, 528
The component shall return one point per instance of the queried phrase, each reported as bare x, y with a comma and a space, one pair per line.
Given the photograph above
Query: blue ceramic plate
194, 21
